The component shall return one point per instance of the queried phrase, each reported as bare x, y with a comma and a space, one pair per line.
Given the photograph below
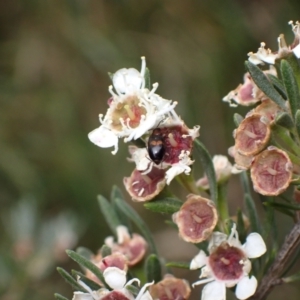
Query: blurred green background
54, 60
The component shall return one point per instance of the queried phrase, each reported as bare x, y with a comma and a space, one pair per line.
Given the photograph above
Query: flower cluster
135, 112
266, 140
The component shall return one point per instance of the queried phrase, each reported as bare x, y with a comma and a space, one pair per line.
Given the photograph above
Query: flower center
226, 262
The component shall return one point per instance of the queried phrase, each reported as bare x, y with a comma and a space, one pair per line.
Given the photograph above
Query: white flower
223, 170
116, 279
228, 265
264, 55
133, 110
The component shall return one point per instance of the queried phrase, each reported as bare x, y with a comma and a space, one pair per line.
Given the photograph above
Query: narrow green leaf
282, 205
105, 251
240, 226
132, 289
297, 121
284, 119
171, 223
87, 264
237, 119
109, 214
90, 283
283, 210
116, 193
264, 84
176, 264
291, 86
278, 85
60, 297
69, 279
250, 205
137, 220
292, 278
208, 169
85, 252
164, 206
153, 268
147, 80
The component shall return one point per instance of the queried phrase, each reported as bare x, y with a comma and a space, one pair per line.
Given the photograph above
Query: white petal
246, 287
198, 261
175, 170
216, 239
255, 245
104, 138
115, 277
127, 80
82, 296
145, 296
122, 234
214, 291
296, 51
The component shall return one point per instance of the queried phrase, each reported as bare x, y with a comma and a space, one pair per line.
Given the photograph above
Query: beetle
156, 146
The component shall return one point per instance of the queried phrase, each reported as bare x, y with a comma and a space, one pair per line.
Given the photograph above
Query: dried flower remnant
242, 162
271, 172
264, 55
170, 288
223, 170
133, 247
248, 93
252, 135
144, 187
196, 219
228, 265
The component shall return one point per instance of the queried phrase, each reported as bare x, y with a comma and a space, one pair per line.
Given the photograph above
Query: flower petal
246, 287
255, 245
82, 296
115, 277
104, 138
198, 261
126, 80
214, 291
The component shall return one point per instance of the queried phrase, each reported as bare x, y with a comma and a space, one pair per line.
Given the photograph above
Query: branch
273, 275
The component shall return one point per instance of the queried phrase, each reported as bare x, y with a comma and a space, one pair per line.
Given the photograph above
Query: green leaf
87, 265
147, 80
240, 226
237, 118
132, 289
176, 264
292, 278
297, 121
109, 214
90, 283
69, 279
153, 268
60, 297
291, 86
208, 169
280, 208
85, 252
164, 206
105, 251
111, 75
250, 205
137, 220
278, 85
264, 84
283, 205
284, 119
116, 193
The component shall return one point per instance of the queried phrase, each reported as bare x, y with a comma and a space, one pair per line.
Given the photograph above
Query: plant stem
273, 275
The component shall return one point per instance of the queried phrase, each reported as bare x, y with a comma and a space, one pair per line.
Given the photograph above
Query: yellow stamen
129, 112
197, 219
225, 261
250, 134
172, 140
147, 179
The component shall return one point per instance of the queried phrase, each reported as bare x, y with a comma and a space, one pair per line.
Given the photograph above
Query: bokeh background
54, 60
